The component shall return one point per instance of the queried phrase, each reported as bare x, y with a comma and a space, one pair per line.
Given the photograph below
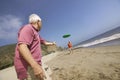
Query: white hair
34, 18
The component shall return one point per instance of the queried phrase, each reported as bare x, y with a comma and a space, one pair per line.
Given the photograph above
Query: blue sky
83, 19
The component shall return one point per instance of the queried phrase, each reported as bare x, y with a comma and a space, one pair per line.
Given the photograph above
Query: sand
102, 63
8, 74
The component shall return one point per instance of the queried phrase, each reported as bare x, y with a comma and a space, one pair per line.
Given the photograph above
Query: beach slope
101, 63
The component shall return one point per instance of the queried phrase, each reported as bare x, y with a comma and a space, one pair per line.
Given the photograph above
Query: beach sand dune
102, 63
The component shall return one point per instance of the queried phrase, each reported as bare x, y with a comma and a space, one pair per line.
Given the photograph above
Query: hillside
7, 54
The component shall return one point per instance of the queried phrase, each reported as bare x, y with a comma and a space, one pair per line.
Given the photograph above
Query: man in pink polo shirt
28, 49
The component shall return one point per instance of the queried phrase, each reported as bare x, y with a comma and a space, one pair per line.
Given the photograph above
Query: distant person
28, 50
70, 46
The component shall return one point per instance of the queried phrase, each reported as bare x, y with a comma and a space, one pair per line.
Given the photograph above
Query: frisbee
66, 35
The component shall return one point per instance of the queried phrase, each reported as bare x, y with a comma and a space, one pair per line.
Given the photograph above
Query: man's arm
26, 54
50, 43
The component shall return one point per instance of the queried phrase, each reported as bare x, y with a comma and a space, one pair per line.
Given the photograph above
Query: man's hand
54, 43
50, 43
38, 72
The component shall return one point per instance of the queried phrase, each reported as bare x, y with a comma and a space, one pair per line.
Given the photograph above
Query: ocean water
108, 43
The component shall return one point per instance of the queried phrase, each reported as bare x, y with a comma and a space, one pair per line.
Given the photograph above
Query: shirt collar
34, 28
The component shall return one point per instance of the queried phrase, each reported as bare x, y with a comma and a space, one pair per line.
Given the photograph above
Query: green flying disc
66, 35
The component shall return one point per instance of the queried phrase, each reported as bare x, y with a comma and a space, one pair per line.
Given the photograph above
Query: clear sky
83, 19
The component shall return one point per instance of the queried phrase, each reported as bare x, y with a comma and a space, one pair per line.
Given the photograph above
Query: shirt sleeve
25, 36
42, 40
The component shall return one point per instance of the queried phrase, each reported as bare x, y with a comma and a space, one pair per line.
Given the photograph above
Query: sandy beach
101, 63
8, 74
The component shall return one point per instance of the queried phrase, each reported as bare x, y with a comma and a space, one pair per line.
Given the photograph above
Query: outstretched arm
49, 43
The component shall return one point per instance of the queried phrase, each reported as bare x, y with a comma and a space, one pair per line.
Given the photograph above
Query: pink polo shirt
30, 36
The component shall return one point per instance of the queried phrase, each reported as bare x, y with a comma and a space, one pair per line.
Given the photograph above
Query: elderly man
28, 49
